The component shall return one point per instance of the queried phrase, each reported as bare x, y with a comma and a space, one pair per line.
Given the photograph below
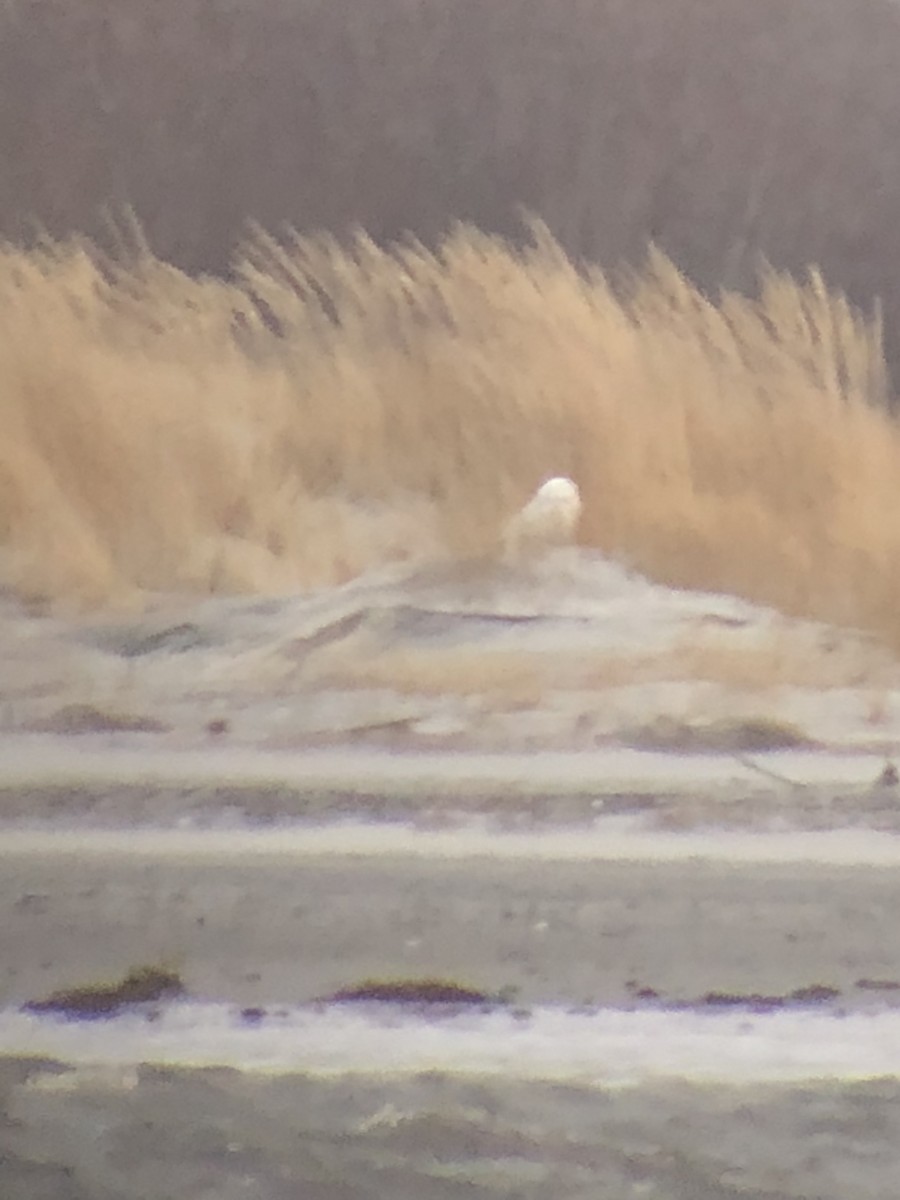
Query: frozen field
662, 827
161, 1133
603, 1049
684, 1015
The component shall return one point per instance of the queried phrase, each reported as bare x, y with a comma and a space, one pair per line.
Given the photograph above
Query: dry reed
339, 406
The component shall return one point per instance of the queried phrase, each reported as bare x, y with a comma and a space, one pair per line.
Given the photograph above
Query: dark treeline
723, 130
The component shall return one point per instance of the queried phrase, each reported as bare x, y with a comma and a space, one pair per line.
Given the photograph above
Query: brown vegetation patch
728, 735
411, 991
812, 994
817, 993
141, 985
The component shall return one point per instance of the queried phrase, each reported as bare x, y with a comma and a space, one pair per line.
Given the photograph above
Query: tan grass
160, 435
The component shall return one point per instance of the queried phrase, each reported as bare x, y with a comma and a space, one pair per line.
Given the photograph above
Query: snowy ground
556, 695
602, 1049
690, 1016
157, 1133
610, 799
563, 658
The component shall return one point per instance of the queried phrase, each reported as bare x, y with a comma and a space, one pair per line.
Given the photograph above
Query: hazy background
721, 129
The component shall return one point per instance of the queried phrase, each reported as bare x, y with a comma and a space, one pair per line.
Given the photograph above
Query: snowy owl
547, 522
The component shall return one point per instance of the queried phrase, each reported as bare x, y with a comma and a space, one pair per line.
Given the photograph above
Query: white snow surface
610, 840
603, 1048
565, 657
